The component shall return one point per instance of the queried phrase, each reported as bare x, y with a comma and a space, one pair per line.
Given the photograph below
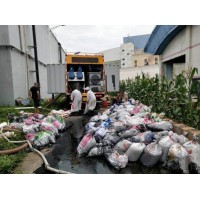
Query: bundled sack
31, 128
111, 139
103, 117
129, 133
193, 149
45, 126
86, 144
182, 139
94, 118
120, 126
30, 136
122, 146
160, 134
160, 126
134, 151
145, 137
100, 132
165, 143
151, 154
96, 151
89, 125
18, 126
178, 155
117, 160
43, 138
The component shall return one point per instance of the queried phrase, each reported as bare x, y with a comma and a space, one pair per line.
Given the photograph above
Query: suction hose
47, 166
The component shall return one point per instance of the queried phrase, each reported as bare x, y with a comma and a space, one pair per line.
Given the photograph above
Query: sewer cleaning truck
82, 70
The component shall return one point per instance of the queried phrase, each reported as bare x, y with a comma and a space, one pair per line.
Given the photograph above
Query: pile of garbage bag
129, 132
39, 129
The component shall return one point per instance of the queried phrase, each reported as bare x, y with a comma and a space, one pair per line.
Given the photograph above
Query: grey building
17, 62
178, 47
139, 41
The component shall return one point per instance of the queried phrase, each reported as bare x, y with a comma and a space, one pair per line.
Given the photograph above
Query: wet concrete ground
63, 156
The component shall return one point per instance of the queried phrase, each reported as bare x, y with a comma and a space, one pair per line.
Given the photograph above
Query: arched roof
160, 38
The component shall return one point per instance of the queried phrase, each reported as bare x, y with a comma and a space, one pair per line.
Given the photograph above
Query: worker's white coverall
91, 101
76, 97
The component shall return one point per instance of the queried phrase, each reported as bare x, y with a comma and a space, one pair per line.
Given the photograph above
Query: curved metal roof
161, 37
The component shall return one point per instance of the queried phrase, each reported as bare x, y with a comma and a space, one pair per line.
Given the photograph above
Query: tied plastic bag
165, 143
94, 118
95, 151
111, 139
89, 125
30, 136
103, 117
134, 151
160, 134
129, 133
179, 155
146, 137
160, 126
117, 160
18, 126
151, 154
31, 128
100, 132
86, 144
182, 139
120, 126
42, 139
45, 126
193, 149
122, 146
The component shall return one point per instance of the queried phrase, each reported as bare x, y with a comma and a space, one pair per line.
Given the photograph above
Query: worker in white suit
91, 101
76, 97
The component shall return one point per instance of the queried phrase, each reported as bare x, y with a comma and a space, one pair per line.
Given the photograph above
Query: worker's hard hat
87, 88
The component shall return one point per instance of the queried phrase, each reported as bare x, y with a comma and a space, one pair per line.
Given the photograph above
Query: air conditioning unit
95, 79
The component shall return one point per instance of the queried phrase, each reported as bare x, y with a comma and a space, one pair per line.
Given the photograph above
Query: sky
96, 38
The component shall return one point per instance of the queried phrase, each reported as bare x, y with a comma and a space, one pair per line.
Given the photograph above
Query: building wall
18, 60
131, 72
187, 43
138, 60
112, 54
6, 80
126, 55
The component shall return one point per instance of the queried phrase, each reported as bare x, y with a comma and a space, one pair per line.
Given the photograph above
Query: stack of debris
129, 133
39, 129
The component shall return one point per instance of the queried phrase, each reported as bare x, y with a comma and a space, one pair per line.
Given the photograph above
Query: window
123, 49
123, 58
128, 54
156, 60
123, 63
135, 63
145, 62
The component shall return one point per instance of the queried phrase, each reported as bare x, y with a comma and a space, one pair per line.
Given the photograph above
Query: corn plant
173, 97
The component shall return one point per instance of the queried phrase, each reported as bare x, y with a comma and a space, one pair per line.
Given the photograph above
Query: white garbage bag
117, 160
151, 154
134, 151
179, 154
165, 143
193, 149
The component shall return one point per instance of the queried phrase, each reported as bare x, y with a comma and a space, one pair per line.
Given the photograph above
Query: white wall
111, 54
132, 72
126, 55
